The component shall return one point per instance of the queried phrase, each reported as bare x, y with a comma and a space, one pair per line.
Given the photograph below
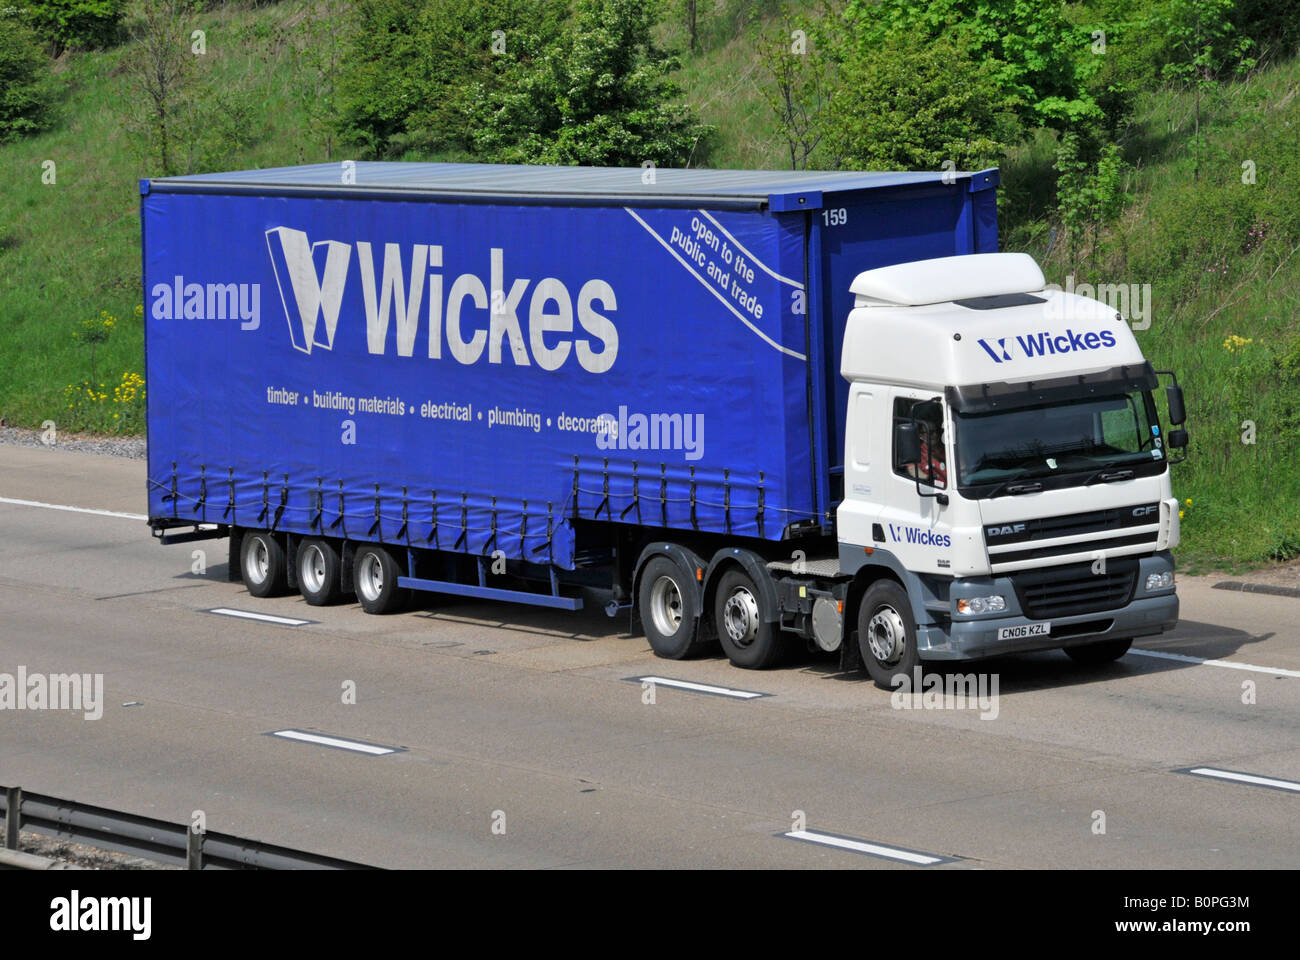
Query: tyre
374, 577
747, 641
669, 606
887, 634
1104, 651
261, 564
318, 572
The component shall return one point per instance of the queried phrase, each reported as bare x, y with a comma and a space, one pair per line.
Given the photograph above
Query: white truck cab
1004, 461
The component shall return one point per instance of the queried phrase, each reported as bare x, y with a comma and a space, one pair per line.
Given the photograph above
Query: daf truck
753, 410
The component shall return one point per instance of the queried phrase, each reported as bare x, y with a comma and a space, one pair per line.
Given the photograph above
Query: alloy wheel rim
372, 576
259, 566
313, 568
666, 606
887, 635
740, 617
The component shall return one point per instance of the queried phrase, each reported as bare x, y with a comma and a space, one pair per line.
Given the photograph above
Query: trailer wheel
318, 572
669, 610
261, 564
1104, 651
374, 575
746, 639
887, 634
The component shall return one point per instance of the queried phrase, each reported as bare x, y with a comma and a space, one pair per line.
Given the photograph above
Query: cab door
914, 521
866, 451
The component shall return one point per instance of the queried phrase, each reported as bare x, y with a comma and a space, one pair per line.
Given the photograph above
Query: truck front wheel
261, 564
887, 634
746, 639
669, 610
374, 575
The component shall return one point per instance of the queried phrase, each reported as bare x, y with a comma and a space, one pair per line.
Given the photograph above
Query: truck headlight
1160, 581
993, 604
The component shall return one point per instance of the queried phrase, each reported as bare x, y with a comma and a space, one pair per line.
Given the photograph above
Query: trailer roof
777, 189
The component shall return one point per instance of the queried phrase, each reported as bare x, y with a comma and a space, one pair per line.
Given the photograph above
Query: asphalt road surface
525, 738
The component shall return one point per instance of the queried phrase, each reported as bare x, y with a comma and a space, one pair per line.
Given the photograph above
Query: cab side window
928, 416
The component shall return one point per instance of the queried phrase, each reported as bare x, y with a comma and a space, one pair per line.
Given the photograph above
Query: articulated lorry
746, 408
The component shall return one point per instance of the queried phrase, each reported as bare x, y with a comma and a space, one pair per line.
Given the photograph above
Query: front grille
1079, 546
1074, 589
1072, 524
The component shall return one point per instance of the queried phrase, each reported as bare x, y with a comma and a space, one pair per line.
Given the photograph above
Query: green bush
1272, 25
414, 70
85, 24
602, 94
1036, 49
913, 103
25, 87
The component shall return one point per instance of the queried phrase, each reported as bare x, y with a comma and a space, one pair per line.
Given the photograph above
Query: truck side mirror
1177, 412
907, 444
1178, 439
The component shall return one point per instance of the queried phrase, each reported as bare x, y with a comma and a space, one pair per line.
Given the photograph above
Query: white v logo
313, 297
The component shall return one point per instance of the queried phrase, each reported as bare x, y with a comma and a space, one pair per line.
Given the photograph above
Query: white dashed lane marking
60, 506
700, 688
1227, 664
262, 617
337, 743
1236, 776
914, 857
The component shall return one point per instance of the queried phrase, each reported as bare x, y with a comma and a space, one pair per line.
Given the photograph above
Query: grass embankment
1222, 258
1220, 255
70, 233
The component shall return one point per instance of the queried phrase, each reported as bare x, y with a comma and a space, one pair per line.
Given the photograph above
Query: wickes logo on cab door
405, 291
470, 318
1047, 344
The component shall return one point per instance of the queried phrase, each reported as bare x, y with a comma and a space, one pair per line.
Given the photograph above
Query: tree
1202, 42
25, 90
916, 103
799, 88
161, 65
601, 94
318, 58
1089, 187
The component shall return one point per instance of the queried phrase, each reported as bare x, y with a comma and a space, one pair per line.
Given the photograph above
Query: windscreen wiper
1015, 487
1109, 476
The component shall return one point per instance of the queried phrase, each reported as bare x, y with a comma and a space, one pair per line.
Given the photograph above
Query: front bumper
961, 638
973, 639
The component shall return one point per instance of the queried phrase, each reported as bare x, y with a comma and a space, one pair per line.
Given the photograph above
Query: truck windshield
1057, 439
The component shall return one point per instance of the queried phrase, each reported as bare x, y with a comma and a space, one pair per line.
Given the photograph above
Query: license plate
1025, 630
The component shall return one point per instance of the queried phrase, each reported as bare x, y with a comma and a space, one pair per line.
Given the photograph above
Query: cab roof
992, 330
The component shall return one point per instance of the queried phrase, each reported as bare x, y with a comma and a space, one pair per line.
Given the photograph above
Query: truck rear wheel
374, 575
261, 564
1104, 651
747, 640
669, 610
318, 572
887, 634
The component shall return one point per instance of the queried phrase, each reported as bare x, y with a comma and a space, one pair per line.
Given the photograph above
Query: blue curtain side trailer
508, 382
